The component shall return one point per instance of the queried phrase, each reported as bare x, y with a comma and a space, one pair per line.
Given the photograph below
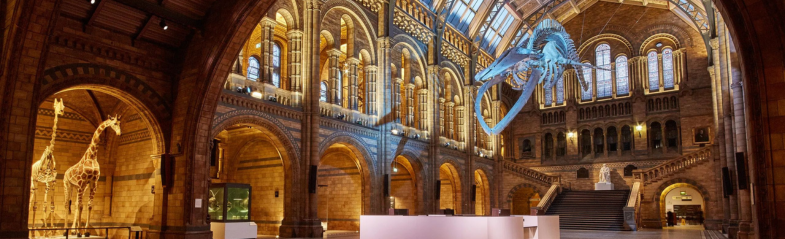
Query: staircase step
590, 210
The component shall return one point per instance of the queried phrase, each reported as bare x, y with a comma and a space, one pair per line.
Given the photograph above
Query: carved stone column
336, 81
370, 90
459, 111
441, 119
410, 105
422, 100
396, 87
268, 31
295, 66
352, 63
450, 131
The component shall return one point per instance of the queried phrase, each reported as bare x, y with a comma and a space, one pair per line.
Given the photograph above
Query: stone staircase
590, 210
673, 166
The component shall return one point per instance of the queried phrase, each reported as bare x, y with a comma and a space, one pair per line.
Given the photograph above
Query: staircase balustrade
546, 200
670, 167
632, 210
532, 174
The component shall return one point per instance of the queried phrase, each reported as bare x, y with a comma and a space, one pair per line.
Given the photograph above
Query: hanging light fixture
163, 24
92, 1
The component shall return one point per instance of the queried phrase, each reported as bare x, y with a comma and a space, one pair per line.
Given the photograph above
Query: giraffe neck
93, 148
54, 132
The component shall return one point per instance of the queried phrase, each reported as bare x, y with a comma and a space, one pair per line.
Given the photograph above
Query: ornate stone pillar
397, 99
295, 66
410, 105
441, 119
422, 100
370, 90
268, 30
352, 63
605, 142
450, 131
459, 111
336, 81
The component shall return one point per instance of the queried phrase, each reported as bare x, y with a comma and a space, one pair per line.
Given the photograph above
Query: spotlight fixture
659, 44
394, 131
92, 1
163, 24
639, 128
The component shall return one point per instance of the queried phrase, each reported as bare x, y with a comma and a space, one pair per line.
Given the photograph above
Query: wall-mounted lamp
571, 135
394, 131
639, 128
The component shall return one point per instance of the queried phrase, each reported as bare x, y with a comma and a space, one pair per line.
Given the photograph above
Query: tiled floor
674, 233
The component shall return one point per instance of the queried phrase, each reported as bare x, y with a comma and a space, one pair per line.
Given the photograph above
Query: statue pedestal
603, 186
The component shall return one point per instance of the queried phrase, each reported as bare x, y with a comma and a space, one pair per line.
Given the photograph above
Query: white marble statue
605, 174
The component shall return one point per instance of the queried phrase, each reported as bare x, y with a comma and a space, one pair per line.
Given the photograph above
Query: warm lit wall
340, 203
402, 189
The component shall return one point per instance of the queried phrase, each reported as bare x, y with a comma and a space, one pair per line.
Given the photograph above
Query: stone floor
687, 232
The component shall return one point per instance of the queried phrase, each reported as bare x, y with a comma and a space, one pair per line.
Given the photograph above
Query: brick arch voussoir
275, 127
534, 188
357, 143
62, 77
705, 193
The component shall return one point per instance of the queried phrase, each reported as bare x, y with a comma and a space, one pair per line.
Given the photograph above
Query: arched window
604, 84
253, 68
548, 95
323, 92
276, 78
667, 68
560, 90
654, 73
586, 95
622, 82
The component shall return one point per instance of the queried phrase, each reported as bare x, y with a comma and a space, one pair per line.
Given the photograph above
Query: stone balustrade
670, 167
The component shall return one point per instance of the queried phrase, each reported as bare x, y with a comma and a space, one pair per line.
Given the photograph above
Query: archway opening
403, 186
682, 206
247, 153
482, 194
523, 200
120, 167
449, 188
340, 188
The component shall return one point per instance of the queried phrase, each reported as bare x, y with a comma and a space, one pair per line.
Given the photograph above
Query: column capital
410, 86
714, 43
371, 68
441, 100
450, 104
334, 52
423, 91
353, 61
398, 80
384, 42
294, 34
267, 22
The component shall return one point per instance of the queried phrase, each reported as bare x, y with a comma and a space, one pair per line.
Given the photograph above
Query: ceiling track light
163, 24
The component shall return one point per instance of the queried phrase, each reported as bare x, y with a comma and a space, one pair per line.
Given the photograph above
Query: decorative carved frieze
412, 26
455, 55
373, 5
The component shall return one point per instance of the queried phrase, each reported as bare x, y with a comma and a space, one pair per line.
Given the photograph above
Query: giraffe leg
45, 205
93, 188
51, 215
32, 206
78, 214
66, 207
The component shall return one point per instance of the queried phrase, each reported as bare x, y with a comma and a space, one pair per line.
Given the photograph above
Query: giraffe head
59, 107
114, 123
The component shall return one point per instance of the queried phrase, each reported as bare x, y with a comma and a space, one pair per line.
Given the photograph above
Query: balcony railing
673, 166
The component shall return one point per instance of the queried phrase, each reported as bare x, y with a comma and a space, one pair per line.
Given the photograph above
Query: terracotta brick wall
402, 189
447, 194
340, 203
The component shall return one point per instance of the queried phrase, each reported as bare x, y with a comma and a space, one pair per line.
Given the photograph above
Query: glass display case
229, 202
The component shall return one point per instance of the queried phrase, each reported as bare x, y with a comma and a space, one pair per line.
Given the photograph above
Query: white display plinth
541, 227
396, 227
603, 186
233, 230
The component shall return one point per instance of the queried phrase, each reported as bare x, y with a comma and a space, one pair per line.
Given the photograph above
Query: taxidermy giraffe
85, 174
45, 171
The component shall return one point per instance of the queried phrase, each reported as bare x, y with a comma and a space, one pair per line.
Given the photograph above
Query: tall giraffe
85, 173
45, 171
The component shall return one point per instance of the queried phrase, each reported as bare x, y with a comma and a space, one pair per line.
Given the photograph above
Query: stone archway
450, 192
665, 187
482, 193
258, 152
522, 191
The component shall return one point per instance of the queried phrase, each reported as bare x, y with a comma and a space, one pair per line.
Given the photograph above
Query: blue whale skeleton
541, 57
